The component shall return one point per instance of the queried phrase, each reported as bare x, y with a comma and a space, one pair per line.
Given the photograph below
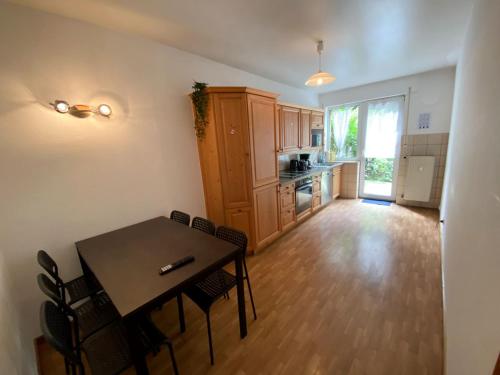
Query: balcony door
382, 123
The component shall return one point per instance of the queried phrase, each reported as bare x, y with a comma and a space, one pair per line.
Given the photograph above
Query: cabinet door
241, 219
305, 128
290, 120
317, 120
234, 153
266, 211
336, 182
264, 139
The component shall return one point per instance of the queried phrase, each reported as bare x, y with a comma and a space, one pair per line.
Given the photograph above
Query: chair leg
210, 339
180, 307
172, 357
249, 289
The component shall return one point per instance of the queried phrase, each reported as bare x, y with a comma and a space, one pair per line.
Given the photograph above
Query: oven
303, 195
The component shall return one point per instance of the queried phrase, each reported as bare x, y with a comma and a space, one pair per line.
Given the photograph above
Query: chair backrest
49, 265
204, 225
234, 236
50, 289
56, 329
180, 217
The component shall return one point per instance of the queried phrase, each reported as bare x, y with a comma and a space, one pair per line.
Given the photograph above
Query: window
342, 131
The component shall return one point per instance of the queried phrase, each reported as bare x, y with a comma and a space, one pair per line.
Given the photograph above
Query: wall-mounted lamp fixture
81, 110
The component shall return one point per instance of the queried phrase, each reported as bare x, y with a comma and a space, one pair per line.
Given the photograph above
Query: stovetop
294, 174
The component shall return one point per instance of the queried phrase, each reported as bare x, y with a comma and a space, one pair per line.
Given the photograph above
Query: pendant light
320, 78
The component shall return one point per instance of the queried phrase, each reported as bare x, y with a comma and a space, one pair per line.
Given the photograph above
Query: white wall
471, 203
431, 92
64, 179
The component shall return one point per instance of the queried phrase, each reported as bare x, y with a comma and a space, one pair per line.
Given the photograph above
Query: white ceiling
365, 40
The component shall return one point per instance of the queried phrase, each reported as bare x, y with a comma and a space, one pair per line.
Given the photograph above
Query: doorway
380, 148
369, 132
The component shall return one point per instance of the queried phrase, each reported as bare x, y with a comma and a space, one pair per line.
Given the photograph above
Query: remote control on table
175, 265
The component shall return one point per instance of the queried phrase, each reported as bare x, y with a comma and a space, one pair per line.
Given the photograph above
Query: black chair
90, 316
77, 289
204, 225
209, 290
180, 217
107, 351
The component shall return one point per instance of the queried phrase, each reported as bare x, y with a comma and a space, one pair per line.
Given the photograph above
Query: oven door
303, 198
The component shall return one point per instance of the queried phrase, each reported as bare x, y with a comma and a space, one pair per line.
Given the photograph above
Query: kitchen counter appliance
326, 186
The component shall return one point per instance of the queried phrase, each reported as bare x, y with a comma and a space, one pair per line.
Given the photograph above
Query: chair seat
207, 291
107, 350
95, 313
80, 288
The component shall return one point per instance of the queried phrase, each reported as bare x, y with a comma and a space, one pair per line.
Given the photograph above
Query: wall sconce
81, 110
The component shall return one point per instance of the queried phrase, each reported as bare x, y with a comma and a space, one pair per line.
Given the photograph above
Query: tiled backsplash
423, 145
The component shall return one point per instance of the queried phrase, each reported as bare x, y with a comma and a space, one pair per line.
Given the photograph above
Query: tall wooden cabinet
239, 164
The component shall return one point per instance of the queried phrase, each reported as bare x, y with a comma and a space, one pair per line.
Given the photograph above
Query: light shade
319, 79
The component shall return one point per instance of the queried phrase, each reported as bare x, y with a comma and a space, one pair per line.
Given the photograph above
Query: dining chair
77, 289
216, 285
204, 225
180, 217
107, 351
88, 317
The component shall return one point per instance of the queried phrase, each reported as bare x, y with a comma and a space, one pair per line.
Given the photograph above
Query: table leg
138, 357
180, 307
241, 294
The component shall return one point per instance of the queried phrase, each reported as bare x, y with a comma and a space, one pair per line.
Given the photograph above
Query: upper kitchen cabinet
263, 124
300, 128
305, 129
317, 121
290, 122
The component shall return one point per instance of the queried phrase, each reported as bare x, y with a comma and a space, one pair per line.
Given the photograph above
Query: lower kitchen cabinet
266, 211
241, 219
316, 202
337, 175
287, 206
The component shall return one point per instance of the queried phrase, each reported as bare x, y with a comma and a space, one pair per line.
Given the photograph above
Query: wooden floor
354, 290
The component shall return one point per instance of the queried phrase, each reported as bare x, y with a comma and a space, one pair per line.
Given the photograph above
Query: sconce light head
61, 106
104, 110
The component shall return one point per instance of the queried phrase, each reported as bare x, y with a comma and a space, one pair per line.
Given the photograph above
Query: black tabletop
127, 261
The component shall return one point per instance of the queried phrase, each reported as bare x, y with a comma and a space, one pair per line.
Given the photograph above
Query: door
290, 119
266, 208
380, 145
263, 138
305, 128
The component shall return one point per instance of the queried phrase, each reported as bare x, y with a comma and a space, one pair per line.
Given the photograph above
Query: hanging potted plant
199, 98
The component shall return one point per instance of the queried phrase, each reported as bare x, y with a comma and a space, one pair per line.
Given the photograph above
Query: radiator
419, 177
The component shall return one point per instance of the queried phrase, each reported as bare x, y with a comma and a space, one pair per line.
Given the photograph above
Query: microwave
316, 140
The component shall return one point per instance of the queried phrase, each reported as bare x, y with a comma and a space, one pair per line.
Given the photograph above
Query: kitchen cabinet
266, 208
241, 219
263, 120
290, 123
317, 121
305, 129
316, 190
238, 160
287, 206
337, 175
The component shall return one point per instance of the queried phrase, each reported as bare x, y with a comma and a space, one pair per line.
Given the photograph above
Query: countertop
311, 172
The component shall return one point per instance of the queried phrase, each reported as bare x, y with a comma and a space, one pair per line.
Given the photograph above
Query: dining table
126, 262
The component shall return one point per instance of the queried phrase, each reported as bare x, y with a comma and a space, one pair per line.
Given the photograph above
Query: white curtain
341, 118
382, 128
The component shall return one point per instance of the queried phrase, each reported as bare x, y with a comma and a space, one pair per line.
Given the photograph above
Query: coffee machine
305, 159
